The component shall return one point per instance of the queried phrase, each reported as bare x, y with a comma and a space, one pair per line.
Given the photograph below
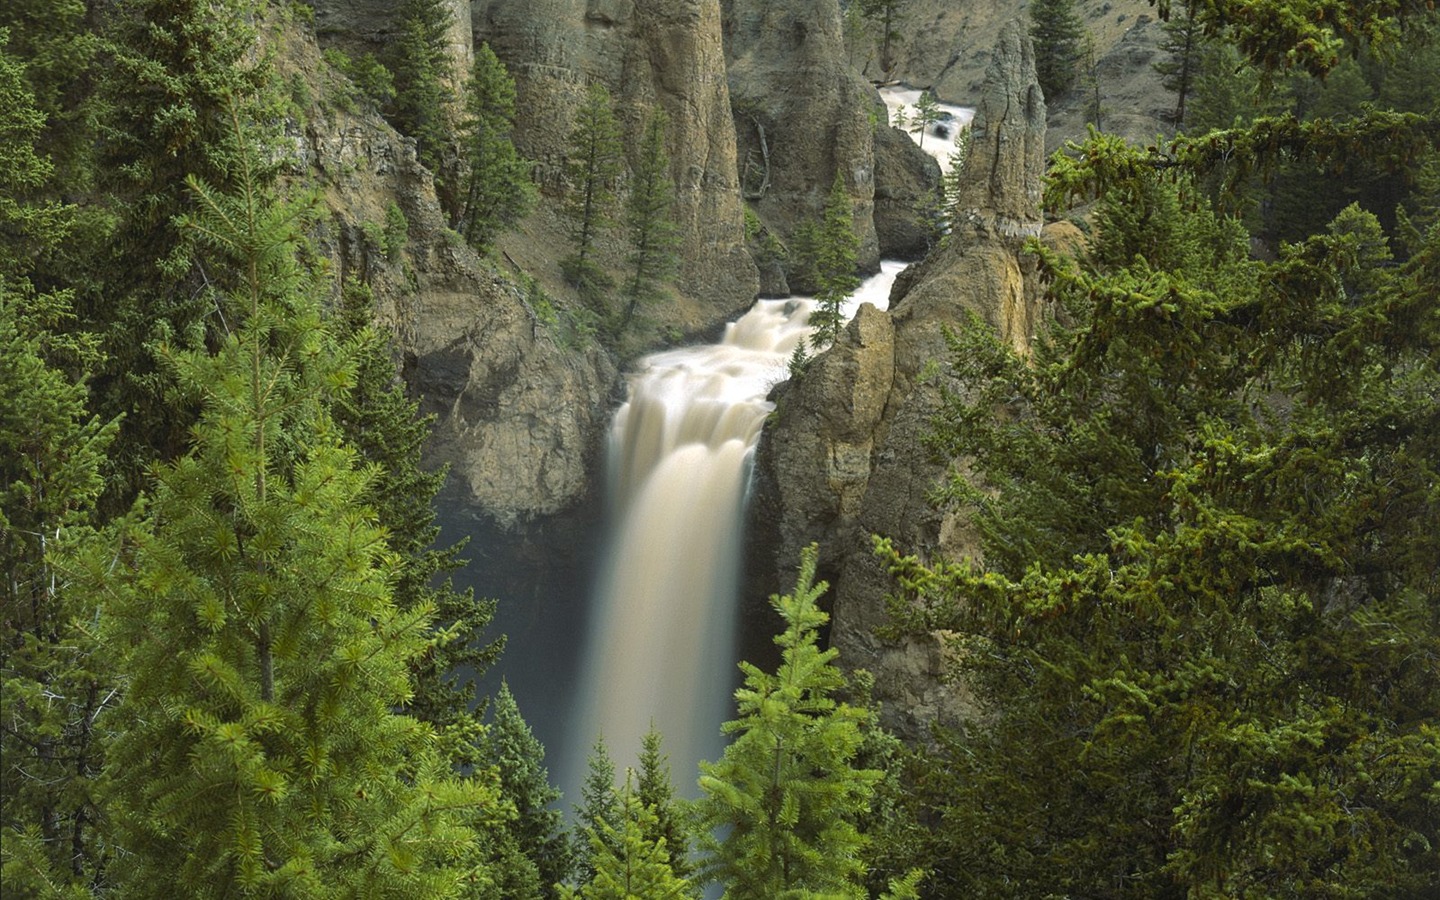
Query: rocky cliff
846, 458
519, 414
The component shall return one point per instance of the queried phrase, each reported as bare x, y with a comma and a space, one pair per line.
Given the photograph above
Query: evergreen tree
778, 811
263, 656
657, 794
836, 247
927, 113
497, 191
630, 864
178, 71
1184, 42
598, 817
1056, 30
592, 165
419, 60
537, 830
55, 683
386, 430
1209, 543
886, 15
649, 218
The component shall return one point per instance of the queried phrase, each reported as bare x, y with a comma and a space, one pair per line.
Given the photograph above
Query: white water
939, 139
661, 649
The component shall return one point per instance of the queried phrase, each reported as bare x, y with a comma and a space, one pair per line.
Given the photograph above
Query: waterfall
661, 646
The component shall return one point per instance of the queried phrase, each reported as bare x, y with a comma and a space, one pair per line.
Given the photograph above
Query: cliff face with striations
846, 459
650, 54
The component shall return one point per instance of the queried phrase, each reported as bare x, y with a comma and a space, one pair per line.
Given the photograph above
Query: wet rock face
907, 185
847, 457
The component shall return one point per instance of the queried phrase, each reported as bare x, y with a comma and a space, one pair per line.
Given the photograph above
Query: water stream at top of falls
660, 650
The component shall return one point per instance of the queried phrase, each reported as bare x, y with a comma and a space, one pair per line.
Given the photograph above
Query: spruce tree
537, 831
657, 794
54, 679
259, 751
927, 113
836, 247
885, 15
385, 428
1209, 534
629, 862
592, 165
778, 810
597, 818
177, 70
497, 190
1184, 42
1056, 30
649, 218
418, 58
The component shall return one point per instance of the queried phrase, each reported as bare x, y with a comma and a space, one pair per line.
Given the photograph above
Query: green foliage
649, 218
368, 75
1195, 640
592, 165
419, 62
927, 113
179, 74
1056, 30
536, 833
778, 811
252, 609
832, 252
630, 862
598, 817
497, 187
387, 431
657, 795
1185, 45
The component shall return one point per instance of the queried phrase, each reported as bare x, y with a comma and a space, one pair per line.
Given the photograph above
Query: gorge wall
846, 457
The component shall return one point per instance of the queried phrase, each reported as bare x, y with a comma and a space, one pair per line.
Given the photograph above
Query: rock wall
649, 54
519, 416
800, 115
847, 460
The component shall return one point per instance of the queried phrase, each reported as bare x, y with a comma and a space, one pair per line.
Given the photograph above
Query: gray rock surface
907, 184
847, 459
801, 115
519, 416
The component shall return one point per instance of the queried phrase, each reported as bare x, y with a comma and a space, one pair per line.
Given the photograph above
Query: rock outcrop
801, 114
519, 416
650, 54
847, 459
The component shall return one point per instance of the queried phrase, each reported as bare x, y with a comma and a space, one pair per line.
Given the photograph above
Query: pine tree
259, 750
836, 247
927, 113
176, 69
657, 794
598, 817
419, 60
1185, 42
886, 15
778, 810
648, 218
498, 191
629, 863
592, 165
1209, 534
387, 431
55, 679
536, 831
1056, 30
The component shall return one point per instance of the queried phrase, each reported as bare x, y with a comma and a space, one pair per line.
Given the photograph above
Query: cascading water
661, 649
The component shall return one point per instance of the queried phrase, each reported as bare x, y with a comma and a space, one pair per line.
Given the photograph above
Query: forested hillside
1196, 628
